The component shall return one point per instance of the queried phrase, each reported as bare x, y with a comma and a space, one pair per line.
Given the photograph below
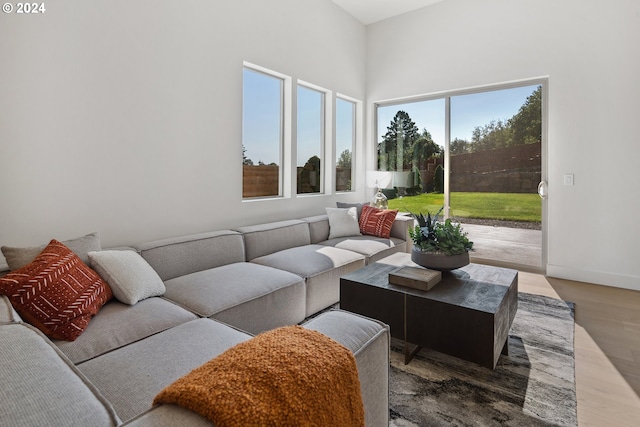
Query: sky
467, 112
310, 124
261, 121
262, 124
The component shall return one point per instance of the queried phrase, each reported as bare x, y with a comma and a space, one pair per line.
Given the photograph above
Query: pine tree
395, 149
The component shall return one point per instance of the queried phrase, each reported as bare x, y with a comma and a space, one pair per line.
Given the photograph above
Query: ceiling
370, 11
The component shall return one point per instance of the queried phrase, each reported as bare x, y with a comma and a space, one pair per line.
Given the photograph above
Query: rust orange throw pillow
56, 292
377, 222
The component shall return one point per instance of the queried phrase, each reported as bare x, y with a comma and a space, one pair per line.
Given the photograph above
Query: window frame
354, 135
327, 139
287, 174
284, 148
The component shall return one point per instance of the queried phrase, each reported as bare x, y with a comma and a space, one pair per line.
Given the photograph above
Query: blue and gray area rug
533, 386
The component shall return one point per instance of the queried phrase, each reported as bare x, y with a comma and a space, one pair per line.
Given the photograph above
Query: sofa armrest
32, 366
400, 229
368, 339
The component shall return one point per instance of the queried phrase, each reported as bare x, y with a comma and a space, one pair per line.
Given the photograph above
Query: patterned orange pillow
56, 292
377, 222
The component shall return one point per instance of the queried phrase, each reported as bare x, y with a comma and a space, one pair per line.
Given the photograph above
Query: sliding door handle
543, 191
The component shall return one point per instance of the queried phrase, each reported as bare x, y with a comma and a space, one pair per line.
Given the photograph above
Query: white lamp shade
381, 178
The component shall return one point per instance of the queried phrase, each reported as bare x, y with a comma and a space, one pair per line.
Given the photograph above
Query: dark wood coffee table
467, 315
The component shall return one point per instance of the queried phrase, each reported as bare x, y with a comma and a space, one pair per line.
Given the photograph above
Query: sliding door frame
447, 95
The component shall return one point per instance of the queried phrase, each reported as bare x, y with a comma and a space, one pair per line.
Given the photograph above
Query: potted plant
439, 245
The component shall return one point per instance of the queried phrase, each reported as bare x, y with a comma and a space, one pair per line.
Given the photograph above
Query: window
270, 128
311, 134
411, 136
262, 134
345, 143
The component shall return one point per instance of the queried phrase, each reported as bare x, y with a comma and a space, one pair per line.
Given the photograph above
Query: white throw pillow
343, 222
130, 277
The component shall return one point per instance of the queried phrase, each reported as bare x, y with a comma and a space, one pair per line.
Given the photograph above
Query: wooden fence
503, 170
262, 180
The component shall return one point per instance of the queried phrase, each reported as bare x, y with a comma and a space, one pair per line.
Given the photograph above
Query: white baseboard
596, 277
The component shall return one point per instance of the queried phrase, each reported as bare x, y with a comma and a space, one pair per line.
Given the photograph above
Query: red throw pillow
377, 222
56, 292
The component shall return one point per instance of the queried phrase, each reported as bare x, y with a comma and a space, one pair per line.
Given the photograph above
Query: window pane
262, 136
496, 148
310, 140
411, 138
495, 167
345, 141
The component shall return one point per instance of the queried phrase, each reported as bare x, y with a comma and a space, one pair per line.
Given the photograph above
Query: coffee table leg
408, 354
505, 348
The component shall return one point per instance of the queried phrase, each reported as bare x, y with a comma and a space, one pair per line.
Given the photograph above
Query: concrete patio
510, 247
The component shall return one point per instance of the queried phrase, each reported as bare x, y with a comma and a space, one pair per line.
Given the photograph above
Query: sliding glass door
479, 156
494, 170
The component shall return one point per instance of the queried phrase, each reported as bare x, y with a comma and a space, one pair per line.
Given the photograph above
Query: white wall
125, 117
589, 51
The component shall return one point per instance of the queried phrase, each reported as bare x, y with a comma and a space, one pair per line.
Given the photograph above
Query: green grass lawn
500, 206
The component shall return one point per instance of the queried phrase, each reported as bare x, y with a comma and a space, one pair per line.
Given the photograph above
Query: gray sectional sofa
222, 288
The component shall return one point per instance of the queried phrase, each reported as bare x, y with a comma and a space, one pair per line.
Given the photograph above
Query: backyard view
493, 166
500, 207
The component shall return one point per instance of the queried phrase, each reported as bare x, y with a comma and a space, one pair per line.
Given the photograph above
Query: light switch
568, 179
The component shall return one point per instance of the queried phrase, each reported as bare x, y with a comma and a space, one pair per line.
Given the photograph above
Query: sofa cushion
7, 313
81, 246
175, 257
56, 292
343, 222
373, 248
320, 266
318, 228
129, 276
118, 324
377, 222
265, 239
132, 376
168, 416
40, 387
249, 296
366, 338
310, 260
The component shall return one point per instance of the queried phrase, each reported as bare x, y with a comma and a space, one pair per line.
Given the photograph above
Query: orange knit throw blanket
289, 376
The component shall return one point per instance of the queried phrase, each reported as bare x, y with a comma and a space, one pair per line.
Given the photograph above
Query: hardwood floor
607, 348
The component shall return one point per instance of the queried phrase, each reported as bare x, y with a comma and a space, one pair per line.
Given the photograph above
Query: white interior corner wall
588, 51
125, 118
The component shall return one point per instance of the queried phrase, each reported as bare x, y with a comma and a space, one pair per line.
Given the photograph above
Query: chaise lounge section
41, 386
